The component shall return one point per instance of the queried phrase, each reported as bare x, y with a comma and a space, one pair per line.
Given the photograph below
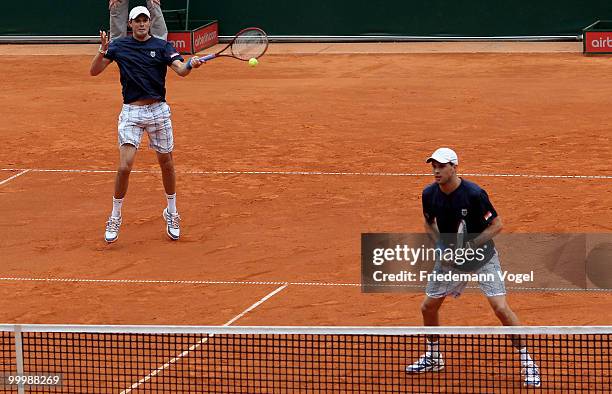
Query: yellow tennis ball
253, 62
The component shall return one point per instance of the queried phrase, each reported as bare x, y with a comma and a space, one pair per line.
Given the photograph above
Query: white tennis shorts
493, 287
154, 118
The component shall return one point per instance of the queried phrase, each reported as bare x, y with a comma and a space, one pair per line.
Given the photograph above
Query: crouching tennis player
446, 203
143, 62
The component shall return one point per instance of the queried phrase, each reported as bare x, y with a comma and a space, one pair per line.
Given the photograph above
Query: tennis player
143, 62
447, 202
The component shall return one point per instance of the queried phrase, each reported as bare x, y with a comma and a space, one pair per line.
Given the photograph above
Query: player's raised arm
487, 234
99, 62
184, 68
431, 226
431, 229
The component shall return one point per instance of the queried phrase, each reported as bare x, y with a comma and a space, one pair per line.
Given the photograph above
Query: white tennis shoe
427, 363
531, 375
173, 220
112, 229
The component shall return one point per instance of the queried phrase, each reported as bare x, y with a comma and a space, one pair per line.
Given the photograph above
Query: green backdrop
328, 17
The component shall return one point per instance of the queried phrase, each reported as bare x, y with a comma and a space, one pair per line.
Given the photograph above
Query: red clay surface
538, 113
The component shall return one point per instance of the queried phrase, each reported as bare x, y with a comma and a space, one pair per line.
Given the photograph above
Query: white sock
433, 349
525, 357
171, 202
117, 203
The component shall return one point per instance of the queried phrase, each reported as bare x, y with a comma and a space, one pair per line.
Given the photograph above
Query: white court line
14, 176
176, 282
261, 283
201, 342
317, 173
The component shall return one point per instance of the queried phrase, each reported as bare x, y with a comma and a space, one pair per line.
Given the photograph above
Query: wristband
189, 66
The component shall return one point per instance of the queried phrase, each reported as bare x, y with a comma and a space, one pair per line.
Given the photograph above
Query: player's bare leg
429, 309
127, 153
506, 315
166, 164
432, 360
170, 214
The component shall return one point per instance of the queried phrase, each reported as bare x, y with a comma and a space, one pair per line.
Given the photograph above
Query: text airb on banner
597, 38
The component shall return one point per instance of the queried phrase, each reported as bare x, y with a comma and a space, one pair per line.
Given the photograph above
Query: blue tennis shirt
142, 66
468, 202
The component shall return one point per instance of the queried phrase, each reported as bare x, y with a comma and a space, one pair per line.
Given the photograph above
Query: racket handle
208, 57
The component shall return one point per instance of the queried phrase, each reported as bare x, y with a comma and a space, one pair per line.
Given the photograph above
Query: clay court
280, 169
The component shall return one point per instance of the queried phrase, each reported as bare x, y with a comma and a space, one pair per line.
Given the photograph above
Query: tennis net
175, 359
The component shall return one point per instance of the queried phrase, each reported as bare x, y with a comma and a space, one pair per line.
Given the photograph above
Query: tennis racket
249, 43
462, 235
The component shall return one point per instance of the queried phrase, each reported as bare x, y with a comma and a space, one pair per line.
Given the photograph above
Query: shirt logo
464, 212
488, 215
152, 53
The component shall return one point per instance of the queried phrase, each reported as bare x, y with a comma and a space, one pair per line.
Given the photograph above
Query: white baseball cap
443, 156
140, 10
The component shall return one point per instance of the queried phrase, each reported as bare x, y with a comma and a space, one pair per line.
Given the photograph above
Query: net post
19, 357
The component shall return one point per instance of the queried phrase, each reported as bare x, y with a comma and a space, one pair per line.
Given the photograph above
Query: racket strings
461, 234
250, 44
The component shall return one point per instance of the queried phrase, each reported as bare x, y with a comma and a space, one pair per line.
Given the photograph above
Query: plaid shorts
154, 119
491, 288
